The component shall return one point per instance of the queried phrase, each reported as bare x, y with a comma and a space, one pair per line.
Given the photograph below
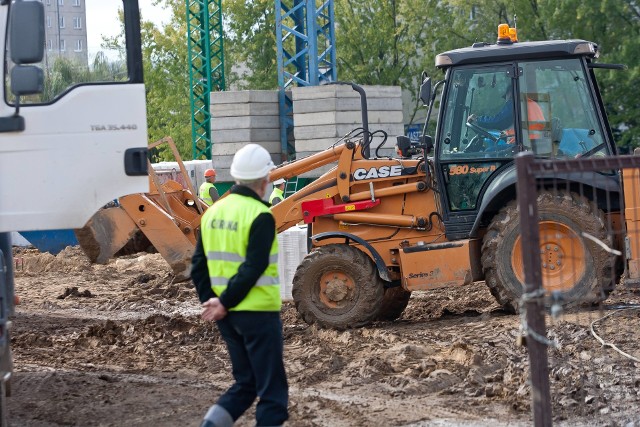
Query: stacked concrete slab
323, 114
239, 118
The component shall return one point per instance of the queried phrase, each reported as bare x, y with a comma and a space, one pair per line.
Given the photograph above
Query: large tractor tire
393, 304
337, 286
580, 269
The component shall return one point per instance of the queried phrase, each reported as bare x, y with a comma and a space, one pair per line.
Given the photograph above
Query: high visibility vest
225, 236
204, 193
276, 193
537, 125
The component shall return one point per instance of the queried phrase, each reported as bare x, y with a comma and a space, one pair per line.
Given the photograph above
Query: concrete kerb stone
246, 109
347, 117
224, 162
244, 96
246, 122
230, 148
345, 104
245, 135
336, 131
342, 91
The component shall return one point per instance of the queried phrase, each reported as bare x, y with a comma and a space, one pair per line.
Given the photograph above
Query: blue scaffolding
305, 37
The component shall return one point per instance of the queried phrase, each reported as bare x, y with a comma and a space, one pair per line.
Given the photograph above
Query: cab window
80, 47
479, 115
559, 116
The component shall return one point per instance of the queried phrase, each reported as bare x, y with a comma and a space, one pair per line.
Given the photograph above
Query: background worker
235, 272
208, 192
277, 195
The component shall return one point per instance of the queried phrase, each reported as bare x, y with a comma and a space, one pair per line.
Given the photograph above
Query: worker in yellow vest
277, 195
235, 272
208, 192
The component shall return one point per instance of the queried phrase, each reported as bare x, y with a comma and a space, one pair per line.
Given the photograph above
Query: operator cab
502, 99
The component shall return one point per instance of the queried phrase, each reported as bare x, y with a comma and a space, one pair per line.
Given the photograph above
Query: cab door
84, 139
475, 139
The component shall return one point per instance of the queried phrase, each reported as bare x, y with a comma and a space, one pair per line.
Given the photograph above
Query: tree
250, 44
166, 76
613, 24
387, 43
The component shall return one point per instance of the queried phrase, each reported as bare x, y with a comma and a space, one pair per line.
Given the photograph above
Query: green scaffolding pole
206, 68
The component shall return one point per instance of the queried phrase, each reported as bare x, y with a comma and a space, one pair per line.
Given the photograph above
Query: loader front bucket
105, 234
164, 231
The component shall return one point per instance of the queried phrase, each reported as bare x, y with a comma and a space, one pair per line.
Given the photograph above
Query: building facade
65, 29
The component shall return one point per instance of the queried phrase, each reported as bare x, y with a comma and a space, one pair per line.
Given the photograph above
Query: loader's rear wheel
580, 269
337, 286
393, 304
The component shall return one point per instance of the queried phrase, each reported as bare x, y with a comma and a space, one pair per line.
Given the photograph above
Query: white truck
73, 131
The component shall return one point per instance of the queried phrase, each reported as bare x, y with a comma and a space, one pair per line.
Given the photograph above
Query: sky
102, 19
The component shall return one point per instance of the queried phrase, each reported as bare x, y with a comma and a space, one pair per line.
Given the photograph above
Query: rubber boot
217, 416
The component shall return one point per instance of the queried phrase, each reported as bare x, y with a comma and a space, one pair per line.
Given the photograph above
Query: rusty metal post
533, 304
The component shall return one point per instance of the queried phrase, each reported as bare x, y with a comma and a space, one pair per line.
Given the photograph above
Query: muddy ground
121, 345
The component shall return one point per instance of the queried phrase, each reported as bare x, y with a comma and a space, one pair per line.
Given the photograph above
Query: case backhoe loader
444, 213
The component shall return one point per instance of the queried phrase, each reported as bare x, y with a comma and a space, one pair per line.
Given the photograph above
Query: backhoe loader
443, 213
167, 217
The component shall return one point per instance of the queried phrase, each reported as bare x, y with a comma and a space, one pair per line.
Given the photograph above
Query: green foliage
166, 76
250, 43
390, 43
613, 24
386, 43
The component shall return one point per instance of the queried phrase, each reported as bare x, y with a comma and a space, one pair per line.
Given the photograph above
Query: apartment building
65, 29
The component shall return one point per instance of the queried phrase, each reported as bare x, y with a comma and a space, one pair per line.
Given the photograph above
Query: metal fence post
533, 298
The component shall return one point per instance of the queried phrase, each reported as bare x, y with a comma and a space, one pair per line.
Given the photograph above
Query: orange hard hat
209, 172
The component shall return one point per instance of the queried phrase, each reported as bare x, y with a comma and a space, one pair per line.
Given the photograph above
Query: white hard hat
279, 181
251, 162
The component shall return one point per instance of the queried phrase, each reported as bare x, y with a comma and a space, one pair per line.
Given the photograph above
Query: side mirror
427, 143
26, 45
403, 145
425, 91
405, 148
26, 80
26, 32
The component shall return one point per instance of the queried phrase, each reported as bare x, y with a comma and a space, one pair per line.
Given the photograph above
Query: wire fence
580, 305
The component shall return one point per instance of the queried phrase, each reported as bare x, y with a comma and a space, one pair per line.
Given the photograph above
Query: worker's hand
471, 118
213, 310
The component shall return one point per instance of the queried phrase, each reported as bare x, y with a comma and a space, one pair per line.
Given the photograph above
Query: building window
63, 46
48, 21
76, 2
50, 44
60, 2
473, 14
62, 22
78, 46
48, 2
77, 22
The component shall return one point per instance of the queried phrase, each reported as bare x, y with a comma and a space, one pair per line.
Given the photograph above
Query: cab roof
486, 53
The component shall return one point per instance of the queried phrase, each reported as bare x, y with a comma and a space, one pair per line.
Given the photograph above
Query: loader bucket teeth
105, 234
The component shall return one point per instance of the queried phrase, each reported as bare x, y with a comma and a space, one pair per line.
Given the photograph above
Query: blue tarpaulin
52, 241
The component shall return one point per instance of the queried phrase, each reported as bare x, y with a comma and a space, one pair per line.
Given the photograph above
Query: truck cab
73, 128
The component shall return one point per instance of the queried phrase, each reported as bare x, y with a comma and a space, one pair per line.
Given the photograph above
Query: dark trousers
255, 344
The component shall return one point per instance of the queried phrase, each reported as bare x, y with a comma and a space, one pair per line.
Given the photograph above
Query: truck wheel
393, 304
579, 268
337, 286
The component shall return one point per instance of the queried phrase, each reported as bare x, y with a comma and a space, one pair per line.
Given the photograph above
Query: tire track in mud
451, 356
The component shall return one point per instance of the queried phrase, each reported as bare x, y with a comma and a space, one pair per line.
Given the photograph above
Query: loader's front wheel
337, 286
579, 268
393, 304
